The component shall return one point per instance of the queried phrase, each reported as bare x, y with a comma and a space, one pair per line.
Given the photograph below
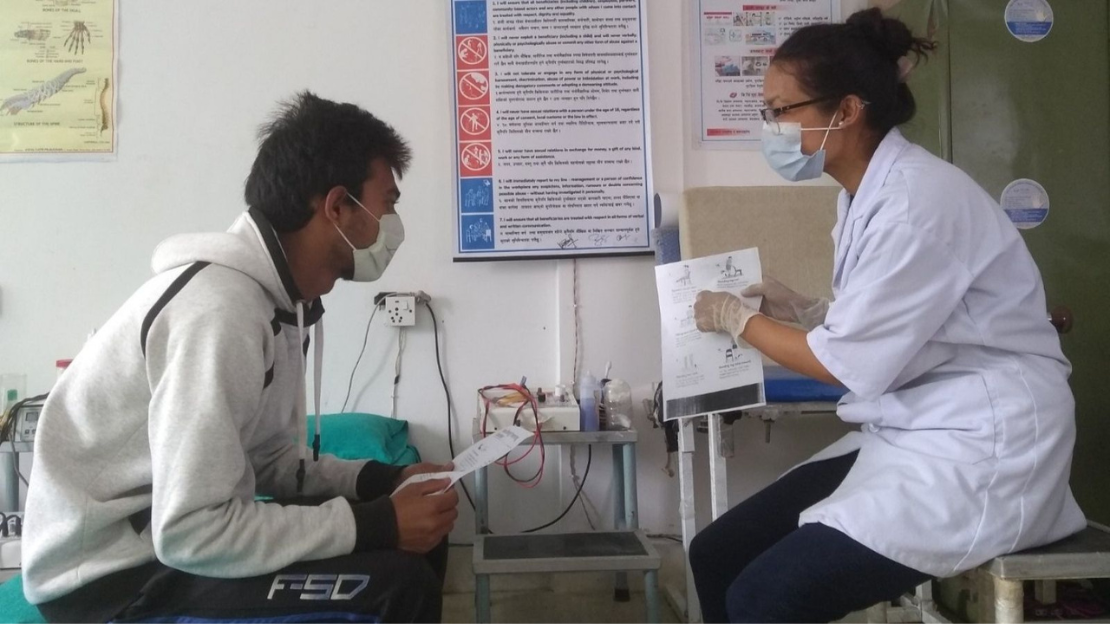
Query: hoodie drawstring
300, 407
317, 378
317, 373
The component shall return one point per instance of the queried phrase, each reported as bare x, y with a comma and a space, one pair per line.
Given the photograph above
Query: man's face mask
370, 262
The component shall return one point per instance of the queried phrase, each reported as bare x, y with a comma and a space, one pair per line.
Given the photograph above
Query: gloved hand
783, 304
722, 312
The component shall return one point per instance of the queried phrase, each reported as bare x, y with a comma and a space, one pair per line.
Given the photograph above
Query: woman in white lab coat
938, 329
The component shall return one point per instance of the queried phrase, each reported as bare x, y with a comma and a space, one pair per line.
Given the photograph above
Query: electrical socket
401, 310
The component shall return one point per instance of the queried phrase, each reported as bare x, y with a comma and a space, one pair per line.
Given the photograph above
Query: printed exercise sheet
482, 453
705, 373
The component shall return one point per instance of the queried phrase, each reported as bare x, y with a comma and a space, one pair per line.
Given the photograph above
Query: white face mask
370, 262
782, 147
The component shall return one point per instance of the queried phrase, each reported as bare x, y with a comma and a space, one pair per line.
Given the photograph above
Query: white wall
196, 80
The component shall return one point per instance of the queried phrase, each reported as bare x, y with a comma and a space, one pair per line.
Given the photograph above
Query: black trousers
754, 564
380, 586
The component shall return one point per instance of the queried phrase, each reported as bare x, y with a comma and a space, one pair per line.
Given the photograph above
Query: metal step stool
1085, 555
610, 551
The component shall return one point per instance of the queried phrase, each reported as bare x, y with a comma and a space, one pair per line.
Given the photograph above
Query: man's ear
332, 204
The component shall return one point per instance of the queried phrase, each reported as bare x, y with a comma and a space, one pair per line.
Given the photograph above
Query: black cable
447, 393
365, 337
585, 475
21, 477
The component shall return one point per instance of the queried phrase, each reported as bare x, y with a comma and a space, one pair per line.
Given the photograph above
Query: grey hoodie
186, 405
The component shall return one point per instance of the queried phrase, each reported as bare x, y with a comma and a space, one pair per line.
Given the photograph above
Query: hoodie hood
251, 247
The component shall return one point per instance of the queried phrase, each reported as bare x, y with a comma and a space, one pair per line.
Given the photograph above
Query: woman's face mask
782, 147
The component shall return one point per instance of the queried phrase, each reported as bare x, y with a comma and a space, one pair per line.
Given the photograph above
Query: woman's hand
722, 312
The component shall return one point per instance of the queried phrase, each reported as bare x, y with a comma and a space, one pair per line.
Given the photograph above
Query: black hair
859, 57
311, 146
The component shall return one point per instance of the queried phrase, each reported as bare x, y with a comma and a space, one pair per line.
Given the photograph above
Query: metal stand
541, 556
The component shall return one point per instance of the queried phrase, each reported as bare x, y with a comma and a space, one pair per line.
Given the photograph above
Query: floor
552, 606
581, 597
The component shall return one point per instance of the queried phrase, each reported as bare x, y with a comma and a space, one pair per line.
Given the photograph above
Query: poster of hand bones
58, 79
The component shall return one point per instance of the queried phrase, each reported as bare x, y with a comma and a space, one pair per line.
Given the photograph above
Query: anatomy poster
736, 41
57, 77
705, 373
551, 124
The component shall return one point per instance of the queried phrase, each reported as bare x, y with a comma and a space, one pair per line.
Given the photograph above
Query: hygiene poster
57, 79
551, 128
706, 373
733, 48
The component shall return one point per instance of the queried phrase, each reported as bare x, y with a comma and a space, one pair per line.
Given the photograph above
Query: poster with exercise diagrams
57, 79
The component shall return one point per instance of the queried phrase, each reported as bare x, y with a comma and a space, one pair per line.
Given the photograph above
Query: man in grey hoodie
190, 403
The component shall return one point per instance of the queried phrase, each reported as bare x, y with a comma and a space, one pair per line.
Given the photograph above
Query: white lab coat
939, 330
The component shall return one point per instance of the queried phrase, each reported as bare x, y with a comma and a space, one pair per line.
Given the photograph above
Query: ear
851, 111
332, 204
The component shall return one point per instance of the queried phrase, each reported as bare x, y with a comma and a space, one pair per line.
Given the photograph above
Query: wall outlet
401, 310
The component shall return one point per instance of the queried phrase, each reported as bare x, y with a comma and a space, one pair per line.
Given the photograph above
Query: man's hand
423, 468
424, 517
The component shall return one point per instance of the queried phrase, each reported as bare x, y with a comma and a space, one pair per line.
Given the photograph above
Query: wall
196, 80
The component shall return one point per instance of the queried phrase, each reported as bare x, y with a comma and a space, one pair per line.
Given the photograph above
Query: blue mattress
784, 386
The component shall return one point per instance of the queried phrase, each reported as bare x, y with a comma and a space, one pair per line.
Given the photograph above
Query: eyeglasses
770, 115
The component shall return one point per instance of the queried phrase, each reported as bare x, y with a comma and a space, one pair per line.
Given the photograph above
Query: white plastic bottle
587, 401
617, 402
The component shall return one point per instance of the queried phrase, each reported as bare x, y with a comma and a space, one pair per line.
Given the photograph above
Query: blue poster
477, 233
470, 17
550, 160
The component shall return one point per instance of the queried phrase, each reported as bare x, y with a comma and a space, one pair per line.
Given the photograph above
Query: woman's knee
704, 549
751, 599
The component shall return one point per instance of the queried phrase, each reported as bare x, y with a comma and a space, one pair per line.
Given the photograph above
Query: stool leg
620, 520
651, 595
481, 598
1045, 592
1009, 604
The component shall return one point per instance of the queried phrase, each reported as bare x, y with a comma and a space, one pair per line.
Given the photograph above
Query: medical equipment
25, 419
558, 411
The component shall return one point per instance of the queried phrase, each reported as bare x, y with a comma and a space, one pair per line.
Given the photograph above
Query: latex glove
722, 312
783, 304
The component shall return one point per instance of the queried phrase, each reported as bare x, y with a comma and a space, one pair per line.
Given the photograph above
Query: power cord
446, 393
365, 338
585, 475
397, 374
450, 435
